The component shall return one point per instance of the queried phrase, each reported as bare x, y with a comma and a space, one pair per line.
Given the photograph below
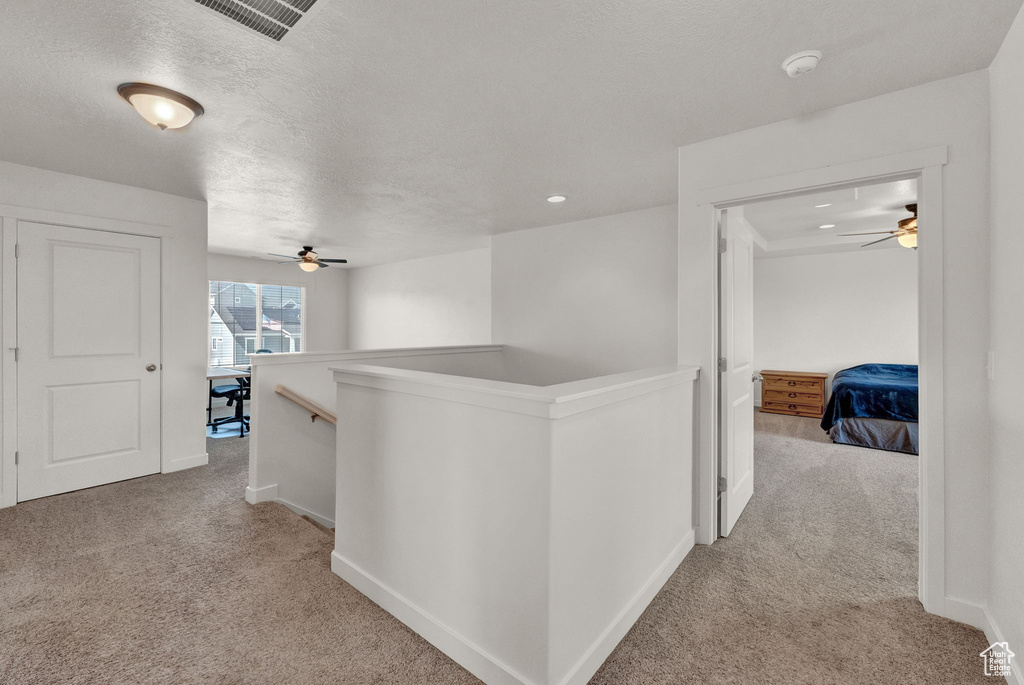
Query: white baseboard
962, 611
993, 634
268, 493
486, 666
585, 669
186, 463
468, 655
322, 520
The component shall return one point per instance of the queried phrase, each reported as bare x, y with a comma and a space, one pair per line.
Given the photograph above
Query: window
246, 317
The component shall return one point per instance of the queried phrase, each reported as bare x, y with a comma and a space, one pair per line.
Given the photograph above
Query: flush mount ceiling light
823, 206
802, 62
554, 199
162, 107
827, 226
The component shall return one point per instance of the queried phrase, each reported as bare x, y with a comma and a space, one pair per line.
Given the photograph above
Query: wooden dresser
793, 392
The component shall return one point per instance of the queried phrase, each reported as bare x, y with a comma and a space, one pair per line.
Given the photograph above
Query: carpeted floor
175, 579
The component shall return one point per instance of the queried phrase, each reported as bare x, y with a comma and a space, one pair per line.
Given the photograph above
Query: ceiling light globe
309, 266
164, 108
907, 240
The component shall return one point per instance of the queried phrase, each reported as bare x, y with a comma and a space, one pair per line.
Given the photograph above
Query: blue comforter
873, 391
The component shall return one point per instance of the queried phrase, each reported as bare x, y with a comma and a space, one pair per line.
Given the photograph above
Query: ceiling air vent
271, 18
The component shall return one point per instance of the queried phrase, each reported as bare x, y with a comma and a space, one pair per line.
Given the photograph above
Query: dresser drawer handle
792, 406
792, 394
792, 383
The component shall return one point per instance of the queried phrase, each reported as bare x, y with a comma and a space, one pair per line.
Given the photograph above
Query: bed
874, 405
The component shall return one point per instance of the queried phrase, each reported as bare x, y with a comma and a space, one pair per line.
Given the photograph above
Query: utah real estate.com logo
997, 659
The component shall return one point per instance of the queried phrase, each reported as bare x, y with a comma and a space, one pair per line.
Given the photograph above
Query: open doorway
816, 305
818, 386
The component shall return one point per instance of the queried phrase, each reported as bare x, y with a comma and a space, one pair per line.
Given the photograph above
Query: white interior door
736, 377
88, 358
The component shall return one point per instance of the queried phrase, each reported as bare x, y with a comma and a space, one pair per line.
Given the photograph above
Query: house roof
245, 317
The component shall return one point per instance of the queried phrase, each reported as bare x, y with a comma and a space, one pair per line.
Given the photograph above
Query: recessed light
557, 198
162, 107
823, 206
827, 226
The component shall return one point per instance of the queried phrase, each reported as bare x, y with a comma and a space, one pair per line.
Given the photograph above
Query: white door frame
10, 215
925, 166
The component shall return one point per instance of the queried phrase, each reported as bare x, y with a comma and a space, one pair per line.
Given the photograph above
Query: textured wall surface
804, 320
587, 298
390, 130
444, 300
1006, 428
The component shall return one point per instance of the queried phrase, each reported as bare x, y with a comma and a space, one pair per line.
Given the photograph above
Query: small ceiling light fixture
827, 226
823, 206
162, 107
802, 62
554, 199
309, 266
907, 232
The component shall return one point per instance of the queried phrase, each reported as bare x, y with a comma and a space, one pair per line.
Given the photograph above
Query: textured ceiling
387, 130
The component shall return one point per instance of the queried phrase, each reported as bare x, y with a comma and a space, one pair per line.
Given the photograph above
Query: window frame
303, 304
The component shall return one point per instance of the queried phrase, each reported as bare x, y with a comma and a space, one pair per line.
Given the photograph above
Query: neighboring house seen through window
245, 317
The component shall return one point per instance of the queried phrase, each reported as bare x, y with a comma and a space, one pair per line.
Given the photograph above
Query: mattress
882, 434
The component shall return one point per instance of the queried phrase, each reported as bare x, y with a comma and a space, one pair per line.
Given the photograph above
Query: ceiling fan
905, 233
308, 260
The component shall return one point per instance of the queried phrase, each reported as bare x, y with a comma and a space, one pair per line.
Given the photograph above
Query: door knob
150, 367
756, 377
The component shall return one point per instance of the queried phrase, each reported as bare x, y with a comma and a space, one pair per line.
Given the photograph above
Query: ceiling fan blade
274, 254
335, 261
879, 241
321, 264
292, 262
870, 233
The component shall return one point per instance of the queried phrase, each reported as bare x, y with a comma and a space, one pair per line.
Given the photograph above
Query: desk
219, 373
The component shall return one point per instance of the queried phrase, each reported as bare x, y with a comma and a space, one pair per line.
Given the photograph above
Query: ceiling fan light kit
905, 233
308, 260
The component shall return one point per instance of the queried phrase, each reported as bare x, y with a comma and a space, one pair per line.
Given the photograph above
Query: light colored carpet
175, 579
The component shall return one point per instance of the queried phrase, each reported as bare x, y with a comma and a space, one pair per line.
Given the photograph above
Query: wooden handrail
314, 409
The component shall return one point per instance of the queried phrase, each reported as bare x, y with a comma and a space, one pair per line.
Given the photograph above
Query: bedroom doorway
921, 170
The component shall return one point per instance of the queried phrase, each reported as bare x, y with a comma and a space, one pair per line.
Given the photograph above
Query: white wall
326, 305
181, 225
951, 112
829, 312
522, 531
433, 301
297, 467
587, 298
1006, 426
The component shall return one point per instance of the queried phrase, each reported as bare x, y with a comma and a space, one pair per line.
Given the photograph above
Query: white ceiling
387, 130
792, 225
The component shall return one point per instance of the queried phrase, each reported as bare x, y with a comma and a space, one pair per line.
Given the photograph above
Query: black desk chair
236, 395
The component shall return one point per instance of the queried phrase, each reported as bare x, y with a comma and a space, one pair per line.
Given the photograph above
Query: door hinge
722, 484
723, 245
15, 351
16, 250
15, 458
722, 364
